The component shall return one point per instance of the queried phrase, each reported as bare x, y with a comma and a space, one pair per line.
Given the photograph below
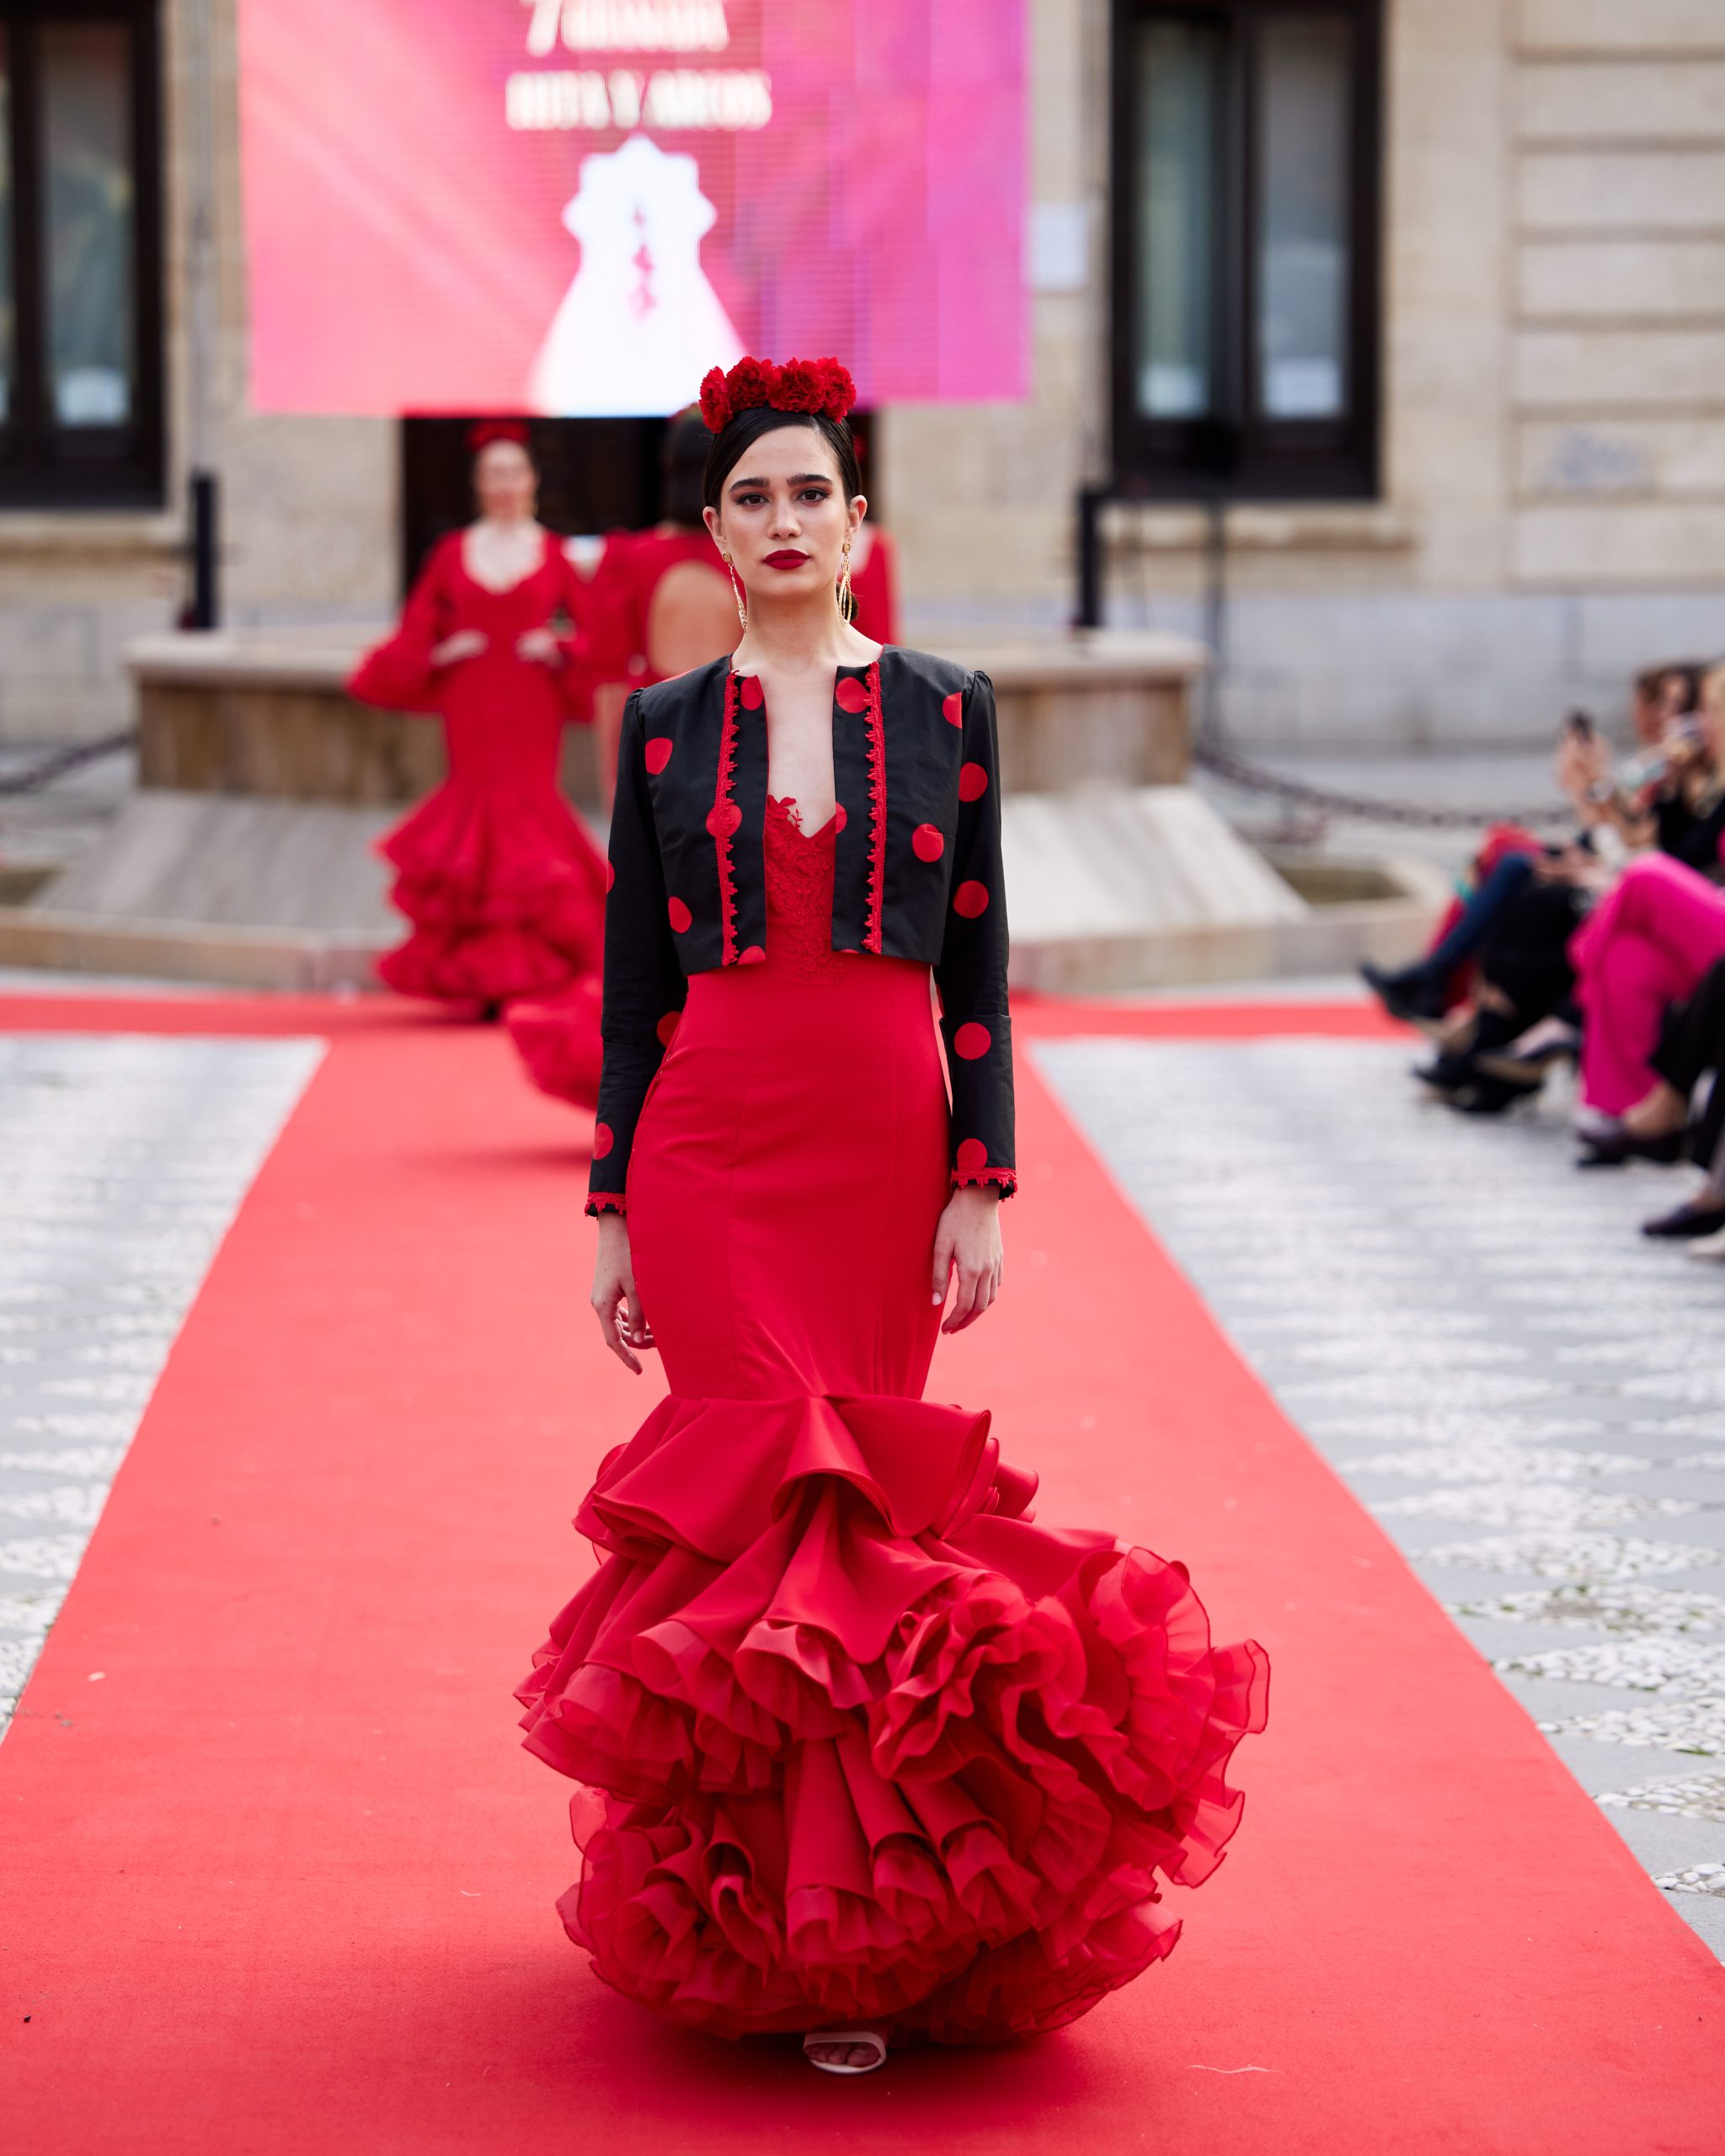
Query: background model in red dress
504, 889
623, 647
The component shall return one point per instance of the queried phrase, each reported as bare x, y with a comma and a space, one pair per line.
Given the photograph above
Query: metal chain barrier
34, 777
1224, 764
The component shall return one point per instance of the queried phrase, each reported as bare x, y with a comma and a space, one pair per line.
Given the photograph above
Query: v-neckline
785, 800
502, 591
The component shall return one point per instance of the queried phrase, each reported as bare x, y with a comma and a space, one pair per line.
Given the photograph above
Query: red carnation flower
715, 399
751, 382
802, 386
840, 390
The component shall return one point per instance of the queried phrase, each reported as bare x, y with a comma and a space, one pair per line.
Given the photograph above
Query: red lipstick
787, 558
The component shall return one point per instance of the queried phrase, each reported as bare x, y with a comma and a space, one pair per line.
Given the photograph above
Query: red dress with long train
857, 1740
504, 889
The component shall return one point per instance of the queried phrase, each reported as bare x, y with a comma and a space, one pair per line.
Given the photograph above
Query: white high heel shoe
859, 2039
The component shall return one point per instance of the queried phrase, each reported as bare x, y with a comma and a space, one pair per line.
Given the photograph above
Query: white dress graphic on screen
640, 325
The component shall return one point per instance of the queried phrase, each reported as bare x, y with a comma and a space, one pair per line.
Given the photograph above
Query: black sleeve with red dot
644, 986
971, 972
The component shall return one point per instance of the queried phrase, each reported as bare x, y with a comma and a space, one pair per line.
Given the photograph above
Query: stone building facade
1542, 507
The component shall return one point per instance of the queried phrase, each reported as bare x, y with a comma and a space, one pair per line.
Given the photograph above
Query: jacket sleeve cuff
1005, 1178
604, 1201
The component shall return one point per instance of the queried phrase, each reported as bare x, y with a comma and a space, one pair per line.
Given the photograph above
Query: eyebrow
796, 479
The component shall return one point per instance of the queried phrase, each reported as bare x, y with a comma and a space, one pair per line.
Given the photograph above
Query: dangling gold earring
737, 589
847, 598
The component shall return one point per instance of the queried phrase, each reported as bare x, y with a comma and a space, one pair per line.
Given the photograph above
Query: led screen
577, 206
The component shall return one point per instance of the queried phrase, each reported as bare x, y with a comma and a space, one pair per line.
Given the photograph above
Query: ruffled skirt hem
859, 1741
558, 1040
504, 892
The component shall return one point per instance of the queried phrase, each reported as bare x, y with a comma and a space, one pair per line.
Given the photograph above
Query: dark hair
682, 460
1654, 680
739, 435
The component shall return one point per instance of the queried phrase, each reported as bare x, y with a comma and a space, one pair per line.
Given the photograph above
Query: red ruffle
504, 891
859, 1741
558, 1040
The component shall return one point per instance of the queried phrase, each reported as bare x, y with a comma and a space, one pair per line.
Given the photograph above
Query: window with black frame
80, 276
1246, 247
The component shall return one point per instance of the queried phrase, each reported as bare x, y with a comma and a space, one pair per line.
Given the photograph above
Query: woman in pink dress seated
1648, 944
865, 1756
503, 889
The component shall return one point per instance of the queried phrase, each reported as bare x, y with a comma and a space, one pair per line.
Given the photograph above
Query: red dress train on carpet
858, 1740
503, 888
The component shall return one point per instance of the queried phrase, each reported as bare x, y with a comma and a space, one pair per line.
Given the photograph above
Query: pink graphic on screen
499, 204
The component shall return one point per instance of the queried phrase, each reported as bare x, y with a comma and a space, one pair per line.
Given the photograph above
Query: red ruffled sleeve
397, 674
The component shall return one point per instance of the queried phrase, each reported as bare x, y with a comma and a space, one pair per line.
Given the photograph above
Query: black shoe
1406, 995
1624, 1145
1446, 1074
1690, 1219
1491, 1097
1520, 1082
1536, 1063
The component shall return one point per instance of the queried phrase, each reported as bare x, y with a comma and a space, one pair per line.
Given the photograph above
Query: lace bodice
799, 868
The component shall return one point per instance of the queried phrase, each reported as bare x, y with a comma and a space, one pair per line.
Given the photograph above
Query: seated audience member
1562, 910
1663, 695
1664, 796
1663, 1124
1505, 865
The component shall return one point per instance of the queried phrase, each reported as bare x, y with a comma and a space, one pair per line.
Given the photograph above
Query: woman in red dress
865, 1756
660, 604
503, 888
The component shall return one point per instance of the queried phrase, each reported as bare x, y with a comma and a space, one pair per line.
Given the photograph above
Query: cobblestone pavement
1529, 1396
122, 1161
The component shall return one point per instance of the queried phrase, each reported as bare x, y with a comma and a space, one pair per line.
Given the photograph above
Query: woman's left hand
967, 1243
540, 647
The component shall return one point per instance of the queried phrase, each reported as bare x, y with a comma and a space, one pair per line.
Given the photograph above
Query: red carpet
282, 1882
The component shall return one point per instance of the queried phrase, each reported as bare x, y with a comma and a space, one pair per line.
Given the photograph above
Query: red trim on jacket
877, 810
723, 821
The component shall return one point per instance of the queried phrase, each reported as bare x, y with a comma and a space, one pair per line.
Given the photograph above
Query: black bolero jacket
917, 875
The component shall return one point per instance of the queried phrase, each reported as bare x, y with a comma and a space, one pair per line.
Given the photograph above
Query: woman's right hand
465, 644
617, 1300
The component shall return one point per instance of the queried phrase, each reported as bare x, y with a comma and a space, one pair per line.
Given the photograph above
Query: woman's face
1709, 716
505, 480
783, 516
1649, 713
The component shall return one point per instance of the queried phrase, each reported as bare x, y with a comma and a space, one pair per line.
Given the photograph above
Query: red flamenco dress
503, 888
556, 1037
857, 1741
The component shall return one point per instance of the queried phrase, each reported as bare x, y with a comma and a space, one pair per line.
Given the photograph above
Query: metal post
1215, 614
205, 611
202, 272
1089, 534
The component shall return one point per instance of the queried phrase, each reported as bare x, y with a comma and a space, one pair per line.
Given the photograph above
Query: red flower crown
814, 385
484, 432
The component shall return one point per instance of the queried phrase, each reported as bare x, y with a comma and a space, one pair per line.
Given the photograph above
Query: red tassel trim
604, 1201
1005, 1178
877, 810
724, 822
